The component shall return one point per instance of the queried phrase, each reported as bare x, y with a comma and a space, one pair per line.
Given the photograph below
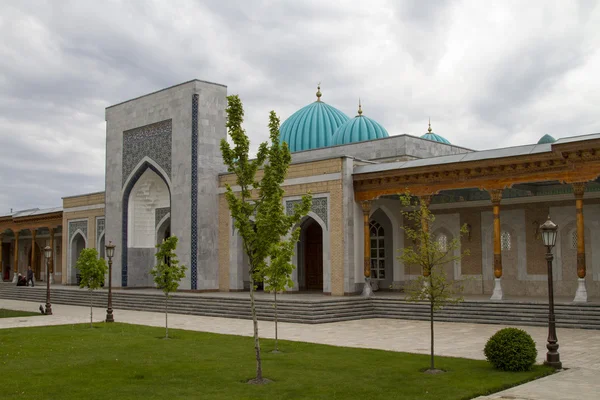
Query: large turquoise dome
546, 139
430, 135
359, 129
312, 126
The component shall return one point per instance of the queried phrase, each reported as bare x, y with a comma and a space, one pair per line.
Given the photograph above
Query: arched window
573, 237
442, 240
377, 251
505, 241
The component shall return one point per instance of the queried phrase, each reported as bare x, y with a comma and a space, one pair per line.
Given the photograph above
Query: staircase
204, 305
583, 316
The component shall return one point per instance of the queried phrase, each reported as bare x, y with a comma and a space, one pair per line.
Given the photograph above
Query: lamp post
48, 254
110, 252
549, 230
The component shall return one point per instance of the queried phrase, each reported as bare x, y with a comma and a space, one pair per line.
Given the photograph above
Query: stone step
585, 316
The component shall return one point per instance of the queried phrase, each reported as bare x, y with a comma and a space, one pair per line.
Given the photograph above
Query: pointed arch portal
146, 190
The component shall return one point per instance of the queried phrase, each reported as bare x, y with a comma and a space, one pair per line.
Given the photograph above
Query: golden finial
319, 94
429, 129
359, 108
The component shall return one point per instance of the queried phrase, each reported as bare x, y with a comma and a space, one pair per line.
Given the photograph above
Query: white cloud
489, 74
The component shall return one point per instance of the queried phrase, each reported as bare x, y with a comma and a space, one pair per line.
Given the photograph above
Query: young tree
167, 273
279, 270
92, 271
257, 207
433, 286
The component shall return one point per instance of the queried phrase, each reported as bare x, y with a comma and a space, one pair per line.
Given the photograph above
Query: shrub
511, 349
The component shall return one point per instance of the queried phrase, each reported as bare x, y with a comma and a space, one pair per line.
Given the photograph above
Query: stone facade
196, 111
164, 173
82, 215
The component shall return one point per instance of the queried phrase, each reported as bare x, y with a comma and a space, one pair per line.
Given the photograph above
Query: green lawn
4, 313
121, 361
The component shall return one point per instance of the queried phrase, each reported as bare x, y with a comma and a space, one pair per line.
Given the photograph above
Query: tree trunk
167, 316
276, 344
431, 318
255, 322
91, 310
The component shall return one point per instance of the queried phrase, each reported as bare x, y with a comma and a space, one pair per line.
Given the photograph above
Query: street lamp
110, 252
48, 254
549, 230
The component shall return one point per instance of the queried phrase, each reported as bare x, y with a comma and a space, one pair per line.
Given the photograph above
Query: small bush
511, 349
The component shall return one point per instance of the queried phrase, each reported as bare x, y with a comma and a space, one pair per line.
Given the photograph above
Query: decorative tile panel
319, 207
75, 225
153, 141
194, 210
160, 214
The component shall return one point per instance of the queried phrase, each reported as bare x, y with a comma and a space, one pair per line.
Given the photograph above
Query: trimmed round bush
511, 349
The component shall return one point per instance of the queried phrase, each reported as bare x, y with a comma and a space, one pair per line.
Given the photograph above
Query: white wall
149, 193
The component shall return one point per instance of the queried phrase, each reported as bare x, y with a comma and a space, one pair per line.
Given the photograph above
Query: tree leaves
91, 269
168, 273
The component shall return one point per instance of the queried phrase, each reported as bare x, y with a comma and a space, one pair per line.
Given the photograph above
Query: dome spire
429, 129
319, 94
359, 108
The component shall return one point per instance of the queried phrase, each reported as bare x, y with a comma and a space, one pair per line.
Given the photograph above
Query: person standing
30, 276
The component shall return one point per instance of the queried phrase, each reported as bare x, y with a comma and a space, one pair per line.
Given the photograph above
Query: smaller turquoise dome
358, 129
434, 136
546, 139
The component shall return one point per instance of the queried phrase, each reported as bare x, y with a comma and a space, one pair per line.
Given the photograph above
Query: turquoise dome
434, 136
312, 126
359, 129
546, 139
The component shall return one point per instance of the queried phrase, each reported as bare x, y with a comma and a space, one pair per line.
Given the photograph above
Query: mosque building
165, 176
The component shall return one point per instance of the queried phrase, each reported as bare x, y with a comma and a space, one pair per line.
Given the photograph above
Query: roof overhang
567, 160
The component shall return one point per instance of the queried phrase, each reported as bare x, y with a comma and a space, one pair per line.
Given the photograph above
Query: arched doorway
145, 199
38, 261
5, 258
382, 251
77, 245
313, 255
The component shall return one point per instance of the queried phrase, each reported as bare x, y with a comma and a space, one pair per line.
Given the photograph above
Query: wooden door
313, 257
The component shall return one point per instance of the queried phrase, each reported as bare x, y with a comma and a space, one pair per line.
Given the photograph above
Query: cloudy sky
488, 73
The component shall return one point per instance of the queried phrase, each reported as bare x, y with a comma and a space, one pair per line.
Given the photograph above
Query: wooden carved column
581, 294
33, 266
51, 261
16, 267
496, 197
366, 207
425, 202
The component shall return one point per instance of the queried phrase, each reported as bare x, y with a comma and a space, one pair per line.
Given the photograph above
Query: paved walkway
579, 349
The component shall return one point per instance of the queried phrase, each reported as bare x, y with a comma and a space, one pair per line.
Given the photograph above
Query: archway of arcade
24, 231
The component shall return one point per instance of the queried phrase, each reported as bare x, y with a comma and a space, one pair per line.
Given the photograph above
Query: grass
131, 362
4, 313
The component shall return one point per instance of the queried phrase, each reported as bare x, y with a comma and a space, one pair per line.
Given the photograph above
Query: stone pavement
579, 349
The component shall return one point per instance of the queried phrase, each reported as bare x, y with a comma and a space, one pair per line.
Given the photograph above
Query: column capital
495, 195
16, 234
578, 189
366, 206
